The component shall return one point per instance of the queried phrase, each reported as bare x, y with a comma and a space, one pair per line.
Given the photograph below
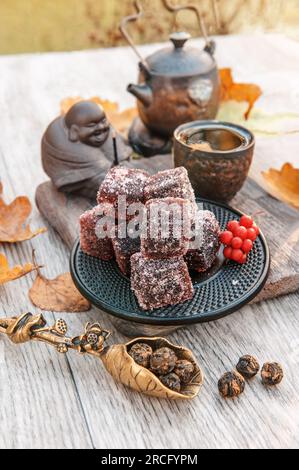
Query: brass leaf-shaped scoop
115, 358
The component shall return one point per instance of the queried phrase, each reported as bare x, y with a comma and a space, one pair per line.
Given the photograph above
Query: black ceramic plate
219, 292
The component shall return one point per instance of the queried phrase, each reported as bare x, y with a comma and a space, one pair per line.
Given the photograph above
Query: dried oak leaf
283, 184
238, 91
8, 274
58, 295
13, 217
120, 120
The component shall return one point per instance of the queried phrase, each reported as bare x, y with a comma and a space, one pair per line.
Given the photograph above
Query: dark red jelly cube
91, 243
124, 248
165, 222
159, 283
169, 183
204, 246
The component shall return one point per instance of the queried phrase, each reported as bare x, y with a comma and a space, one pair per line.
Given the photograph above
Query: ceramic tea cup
217, 156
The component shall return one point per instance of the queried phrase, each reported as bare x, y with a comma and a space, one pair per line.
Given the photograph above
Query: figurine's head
87, 123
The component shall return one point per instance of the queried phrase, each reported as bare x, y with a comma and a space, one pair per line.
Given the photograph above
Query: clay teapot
176, 84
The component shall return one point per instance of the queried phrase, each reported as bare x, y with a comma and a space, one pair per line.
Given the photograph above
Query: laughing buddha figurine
77, 149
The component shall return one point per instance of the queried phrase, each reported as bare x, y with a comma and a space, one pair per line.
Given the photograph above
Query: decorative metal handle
29, 327
123, 30
210, 45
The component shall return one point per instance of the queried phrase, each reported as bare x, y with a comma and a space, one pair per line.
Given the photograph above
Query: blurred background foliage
54, 25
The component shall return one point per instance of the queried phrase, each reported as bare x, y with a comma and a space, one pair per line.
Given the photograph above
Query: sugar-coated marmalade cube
90, 242
164, 225
123, 182
169, 183
159, 283
124, 248
205, 245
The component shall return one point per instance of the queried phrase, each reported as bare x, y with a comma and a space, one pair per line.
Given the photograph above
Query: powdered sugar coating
121, 181
203, 257
90, 244
169, 183
124, 248
159, 283
156, 243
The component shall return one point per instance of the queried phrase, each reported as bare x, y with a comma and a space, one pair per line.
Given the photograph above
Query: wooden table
54, 401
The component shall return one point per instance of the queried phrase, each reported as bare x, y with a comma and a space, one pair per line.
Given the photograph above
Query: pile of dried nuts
163, 362
232, 384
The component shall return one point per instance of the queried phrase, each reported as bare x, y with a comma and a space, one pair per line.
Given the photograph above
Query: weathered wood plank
41, 406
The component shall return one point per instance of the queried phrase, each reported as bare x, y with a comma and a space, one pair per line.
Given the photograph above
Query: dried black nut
231, 384
141, 353
248, 366
171, 381
272, 373
163, 361
184, 370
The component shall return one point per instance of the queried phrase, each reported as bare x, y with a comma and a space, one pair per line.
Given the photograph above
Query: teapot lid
180, 60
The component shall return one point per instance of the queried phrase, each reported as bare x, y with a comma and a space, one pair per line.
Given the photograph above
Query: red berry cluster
238, 238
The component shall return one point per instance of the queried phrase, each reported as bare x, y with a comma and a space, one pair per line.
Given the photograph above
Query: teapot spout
142, 92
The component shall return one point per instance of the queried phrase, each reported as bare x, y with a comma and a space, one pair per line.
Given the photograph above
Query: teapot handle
124, 32
210, 44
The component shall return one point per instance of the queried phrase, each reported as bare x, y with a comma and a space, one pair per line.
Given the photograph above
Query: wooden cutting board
278, 221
